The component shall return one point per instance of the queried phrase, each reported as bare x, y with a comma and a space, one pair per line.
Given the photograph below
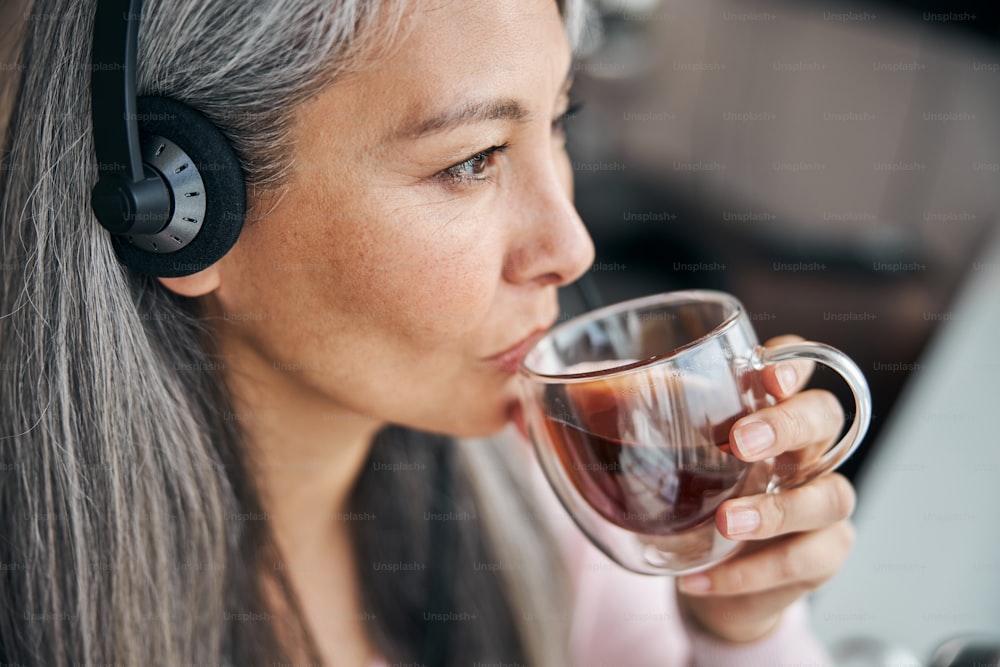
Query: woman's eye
474, 165
474, 168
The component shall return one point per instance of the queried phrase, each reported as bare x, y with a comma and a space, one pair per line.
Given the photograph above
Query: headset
171, 189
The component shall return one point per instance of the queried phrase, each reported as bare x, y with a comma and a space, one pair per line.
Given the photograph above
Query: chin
481, 426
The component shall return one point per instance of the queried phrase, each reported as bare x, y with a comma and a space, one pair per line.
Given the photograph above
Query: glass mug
629, 408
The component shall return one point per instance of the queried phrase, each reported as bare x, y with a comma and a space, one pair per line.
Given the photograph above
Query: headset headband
126, 199
171, 188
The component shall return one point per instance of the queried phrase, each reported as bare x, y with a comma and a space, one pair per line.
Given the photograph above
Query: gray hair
124, 484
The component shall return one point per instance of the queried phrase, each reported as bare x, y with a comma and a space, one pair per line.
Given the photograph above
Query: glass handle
847, 369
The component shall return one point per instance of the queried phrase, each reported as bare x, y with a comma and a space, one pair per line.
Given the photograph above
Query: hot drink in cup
630, 409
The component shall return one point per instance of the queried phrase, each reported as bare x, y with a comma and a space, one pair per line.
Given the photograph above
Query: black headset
171, 189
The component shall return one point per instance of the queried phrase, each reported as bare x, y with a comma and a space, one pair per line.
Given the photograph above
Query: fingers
783, 379
804, 561
810, 419
742, 615
826, 500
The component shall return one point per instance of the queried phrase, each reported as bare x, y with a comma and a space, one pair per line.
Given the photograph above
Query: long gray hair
130, 528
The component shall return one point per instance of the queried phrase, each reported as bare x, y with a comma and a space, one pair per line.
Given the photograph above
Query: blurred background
835, 165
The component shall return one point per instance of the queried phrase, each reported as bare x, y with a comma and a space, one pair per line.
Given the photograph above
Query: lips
509, 360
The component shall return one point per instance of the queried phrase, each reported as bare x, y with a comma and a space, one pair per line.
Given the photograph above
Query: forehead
450, 54
477, 20
451, 50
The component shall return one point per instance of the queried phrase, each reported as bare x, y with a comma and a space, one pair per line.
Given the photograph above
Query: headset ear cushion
225, 189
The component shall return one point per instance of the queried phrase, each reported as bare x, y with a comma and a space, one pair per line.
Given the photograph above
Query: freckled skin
382, 289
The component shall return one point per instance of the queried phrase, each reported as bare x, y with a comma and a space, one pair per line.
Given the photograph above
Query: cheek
438, 279
392, 304
444, 296
384, 265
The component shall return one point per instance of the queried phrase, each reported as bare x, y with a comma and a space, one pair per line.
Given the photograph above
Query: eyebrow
476, 111
471, 112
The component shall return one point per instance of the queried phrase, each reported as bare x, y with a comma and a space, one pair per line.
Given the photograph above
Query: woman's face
426, 226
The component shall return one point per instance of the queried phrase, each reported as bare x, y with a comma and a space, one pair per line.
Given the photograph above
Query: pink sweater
624, 619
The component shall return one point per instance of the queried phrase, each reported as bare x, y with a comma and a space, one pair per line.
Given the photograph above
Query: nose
551, 245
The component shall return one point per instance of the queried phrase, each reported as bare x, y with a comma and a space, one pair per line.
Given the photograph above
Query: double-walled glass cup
629, 408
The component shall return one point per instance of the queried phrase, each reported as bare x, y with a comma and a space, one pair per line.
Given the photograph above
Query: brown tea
657, 487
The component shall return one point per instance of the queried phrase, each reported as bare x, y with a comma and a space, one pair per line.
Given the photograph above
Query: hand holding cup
631, 407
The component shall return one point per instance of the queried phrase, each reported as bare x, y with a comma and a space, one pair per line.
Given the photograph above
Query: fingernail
696, 583
742, 520
754, 438
787, 378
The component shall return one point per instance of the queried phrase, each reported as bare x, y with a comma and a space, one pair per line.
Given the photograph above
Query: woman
260, 463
